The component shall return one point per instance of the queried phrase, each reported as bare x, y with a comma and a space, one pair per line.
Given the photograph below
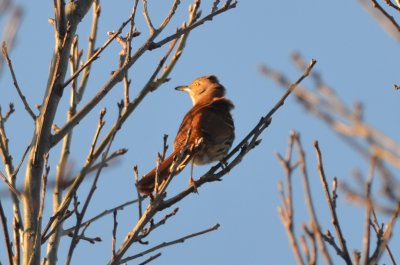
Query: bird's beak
182, 88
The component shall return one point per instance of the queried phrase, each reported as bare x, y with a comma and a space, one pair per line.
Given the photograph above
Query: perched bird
209, 123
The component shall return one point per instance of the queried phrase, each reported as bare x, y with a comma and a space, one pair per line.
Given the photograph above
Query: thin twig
10, 187
390, 3
385, 238
114, 232
158, 224
379, 232
97, 53
99, 216
386, 14
368, 210
75, 237
90, 49
181, 31
344, 253
6, 235
166, 244
315, 226
147, 17
8, 60
140, 198
286, 210
151, 258
21, 161
100, 126
118, 75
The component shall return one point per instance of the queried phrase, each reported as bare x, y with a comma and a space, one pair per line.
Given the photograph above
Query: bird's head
203, 89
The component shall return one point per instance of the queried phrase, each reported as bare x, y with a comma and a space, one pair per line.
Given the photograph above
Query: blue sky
355, 56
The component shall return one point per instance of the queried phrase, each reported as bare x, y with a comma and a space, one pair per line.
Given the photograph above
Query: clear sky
355, 56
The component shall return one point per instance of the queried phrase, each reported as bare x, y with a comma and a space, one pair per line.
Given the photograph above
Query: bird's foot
224, 164
192, 183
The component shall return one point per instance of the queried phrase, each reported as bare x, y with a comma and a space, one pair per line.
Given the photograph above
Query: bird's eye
196, 84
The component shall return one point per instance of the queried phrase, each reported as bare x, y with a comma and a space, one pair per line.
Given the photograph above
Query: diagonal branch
8, 60
97, 217
386, 14
158, 204
229, 5
97, 53
382, 242
170, 243
241, 149
6, 235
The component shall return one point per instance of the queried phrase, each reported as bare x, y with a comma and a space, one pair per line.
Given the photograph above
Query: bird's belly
214, 153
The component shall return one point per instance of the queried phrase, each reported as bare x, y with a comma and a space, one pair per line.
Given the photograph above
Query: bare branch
140, 198
80, 216
315, 226
99, 216
379, 233
116, 77
166, 244
147, 17
96, 54
7, 240
90, 49
348, 124
385, 238
248, 142
286, 210
7, 58
100, 126
381, 19
344, 253
181, 31
151, 258
114, 233
390, 3
386, 14
10, 186
368, 210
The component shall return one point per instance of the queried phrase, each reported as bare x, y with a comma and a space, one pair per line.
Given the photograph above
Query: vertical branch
114, 232
75, 98
306, 186
11, 174
75, 238
368, 210
91, 48
140, 198
67, 18
344, 253
286, 210
54, 240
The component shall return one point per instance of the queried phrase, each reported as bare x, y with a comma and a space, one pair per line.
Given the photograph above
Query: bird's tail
147, 182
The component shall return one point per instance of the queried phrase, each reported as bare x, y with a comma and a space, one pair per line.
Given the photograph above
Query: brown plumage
209, 120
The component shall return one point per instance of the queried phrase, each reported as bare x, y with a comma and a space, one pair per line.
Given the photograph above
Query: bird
207, 130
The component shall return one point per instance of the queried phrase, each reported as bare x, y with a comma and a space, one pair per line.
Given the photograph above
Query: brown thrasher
208, 122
